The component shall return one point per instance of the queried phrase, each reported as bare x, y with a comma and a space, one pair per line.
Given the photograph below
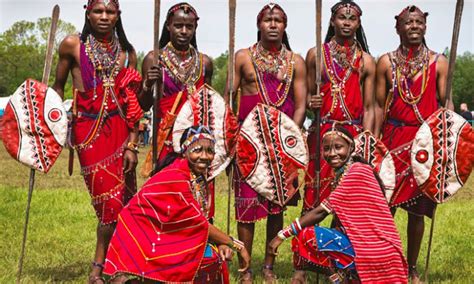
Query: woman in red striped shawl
164, 233
363, 244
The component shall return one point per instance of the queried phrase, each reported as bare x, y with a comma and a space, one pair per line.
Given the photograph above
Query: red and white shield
442, 154
35, 125
379, 157
207, 107
270, 151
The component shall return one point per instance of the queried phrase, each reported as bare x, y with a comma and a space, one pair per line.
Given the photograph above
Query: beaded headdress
195, 135
271, 6
182, 6
347, 5
334, 130
91, 3
408, 10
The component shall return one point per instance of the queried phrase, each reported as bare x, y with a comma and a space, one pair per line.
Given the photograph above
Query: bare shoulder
207, 61
299, 61
69, 44
242, 55
368, 59
311, 54
383, 62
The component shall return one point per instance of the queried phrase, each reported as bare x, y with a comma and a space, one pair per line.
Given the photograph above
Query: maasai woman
164, 233
363, 244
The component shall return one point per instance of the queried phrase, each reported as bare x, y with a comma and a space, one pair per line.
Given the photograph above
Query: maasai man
411, 85
364, 244
347, 86
270, 73
163, 234
106, 112
181, 68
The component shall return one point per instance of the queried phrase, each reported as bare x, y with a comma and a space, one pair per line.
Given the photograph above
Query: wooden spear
46, 71
449, 84
230, 72
157, 86
317, 142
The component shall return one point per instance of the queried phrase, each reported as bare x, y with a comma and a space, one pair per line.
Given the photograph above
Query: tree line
23, 46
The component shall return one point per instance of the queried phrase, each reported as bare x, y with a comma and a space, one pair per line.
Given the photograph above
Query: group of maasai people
165, 232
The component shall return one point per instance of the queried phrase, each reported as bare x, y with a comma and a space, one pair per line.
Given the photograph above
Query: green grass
61, 235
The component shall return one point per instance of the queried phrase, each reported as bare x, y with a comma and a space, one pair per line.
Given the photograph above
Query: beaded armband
236, 245
292, 230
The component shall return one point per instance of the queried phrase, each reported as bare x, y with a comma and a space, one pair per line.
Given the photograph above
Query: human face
200, 155
272, 26
345, 22
182, 27
411, 27
103, 18
336, 150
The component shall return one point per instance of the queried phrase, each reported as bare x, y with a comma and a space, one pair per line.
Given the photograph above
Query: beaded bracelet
292, 230
236, 245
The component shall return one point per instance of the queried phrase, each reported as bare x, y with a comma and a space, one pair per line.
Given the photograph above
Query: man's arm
368, 88
300, 90
239, 62
150, 75
208, 66
132, 60
383, 66
441, 82
65, 63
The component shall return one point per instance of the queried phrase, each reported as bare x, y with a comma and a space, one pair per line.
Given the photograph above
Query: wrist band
236, 245
292, 230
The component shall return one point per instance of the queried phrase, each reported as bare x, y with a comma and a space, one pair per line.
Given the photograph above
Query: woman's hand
153, 75
274, 244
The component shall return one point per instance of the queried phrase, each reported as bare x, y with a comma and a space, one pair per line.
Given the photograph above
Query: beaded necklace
340, 173
340, 57
184, 67
105, 59
277, 62
406, 68
200, 192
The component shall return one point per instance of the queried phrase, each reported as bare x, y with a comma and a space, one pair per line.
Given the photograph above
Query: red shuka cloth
361, 207
353, 100
161, 234
102, 160
398, 139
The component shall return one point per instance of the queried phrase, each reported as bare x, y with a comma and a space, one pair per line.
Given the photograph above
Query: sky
212, 33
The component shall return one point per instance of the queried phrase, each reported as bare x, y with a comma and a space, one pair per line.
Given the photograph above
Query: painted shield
35, 125
442, 155
379, 157
207, 107
270, 151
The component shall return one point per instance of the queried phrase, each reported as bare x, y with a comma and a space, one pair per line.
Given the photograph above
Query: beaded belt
398, 123
96, 115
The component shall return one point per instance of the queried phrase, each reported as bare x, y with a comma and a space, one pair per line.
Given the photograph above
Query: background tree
219, 76
22, 52
463, 81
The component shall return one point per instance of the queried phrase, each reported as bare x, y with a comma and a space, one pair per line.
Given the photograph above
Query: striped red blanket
362, 209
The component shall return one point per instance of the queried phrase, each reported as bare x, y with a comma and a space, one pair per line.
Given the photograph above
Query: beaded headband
91, 3
194, 135
334, 131
271, 6
347, 5
408, 10
182, 6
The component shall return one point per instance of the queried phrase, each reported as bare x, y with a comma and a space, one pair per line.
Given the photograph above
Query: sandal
246, 277
268, 275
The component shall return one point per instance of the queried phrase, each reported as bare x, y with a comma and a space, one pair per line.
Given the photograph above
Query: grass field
61, 236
